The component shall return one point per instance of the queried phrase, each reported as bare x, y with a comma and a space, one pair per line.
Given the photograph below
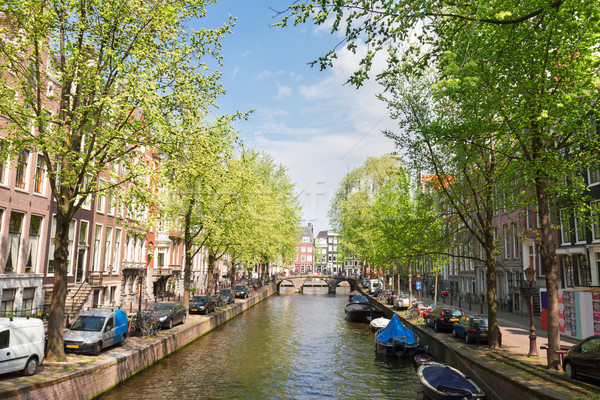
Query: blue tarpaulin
396, 330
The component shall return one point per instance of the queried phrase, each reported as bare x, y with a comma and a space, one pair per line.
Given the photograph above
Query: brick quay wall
88, 377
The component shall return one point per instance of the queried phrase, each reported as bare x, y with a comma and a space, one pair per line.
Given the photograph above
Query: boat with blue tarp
397, 340
443, 382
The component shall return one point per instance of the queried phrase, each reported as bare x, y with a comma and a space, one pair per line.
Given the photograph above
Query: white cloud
283, 91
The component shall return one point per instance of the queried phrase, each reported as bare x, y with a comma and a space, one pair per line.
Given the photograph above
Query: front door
96, 298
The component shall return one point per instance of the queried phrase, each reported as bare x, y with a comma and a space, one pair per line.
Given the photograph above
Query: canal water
291, 346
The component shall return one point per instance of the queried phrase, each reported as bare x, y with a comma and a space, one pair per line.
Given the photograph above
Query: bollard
469, 303
450, 300
481, 311
67, 326
128, 329
459, 303
179, 297
478, 333
146, 303
130, 307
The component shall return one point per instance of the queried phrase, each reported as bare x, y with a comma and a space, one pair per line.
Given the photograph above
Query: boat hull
364, 313
395, 348
442, 382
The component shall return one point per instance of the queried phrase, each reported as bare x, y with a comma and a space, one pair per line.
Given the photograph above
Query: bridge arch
332, 281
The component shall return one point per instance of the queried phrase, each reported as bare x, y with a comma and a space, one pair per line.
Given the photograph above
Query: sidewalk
514, 328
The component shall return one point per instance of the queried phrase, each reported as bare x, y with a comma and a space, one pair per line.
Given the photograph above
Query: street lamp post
530, 276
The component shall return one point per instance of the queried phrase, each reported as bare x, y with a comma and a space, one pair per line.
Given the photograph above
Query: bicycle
146, 323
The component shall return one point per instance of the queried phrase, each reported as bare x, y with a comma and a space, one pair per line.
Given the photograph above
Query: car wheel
122, 340
570, 370
97, 348
183, 320
170, 323
31, 366
467, 340
454, 334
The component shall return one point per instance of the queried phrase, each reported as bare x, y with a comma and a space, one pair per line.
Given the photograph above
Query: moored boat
379, 323
362, 312
442, 382
421, 359
397, 340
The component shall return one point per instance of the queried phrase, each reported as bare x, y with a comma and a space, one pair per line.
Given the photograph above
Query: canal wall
88, 380
497, 383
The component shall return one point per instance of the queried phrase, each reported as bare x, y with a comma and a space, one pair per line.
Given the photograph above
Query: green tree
83, 73
537, 59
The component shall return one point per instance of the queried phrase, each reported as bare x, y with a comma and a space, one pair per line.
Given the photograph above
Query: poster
570, 314
596, 311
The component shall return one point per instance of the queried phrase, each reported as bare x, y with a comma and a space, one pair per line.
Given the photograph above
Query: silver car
401, 301
96, 329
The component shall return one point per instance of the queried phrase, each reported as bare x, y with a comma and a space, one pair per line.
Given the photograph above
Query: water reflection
291, 346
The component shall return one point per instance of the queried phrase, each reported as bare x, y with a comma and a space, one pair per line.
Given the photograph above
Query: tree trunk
492, 296
187, 266
55, 350
549, 265
210, 283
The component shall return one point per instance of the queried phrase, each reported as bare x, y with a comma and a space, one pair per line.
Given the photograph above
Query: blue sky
307, 119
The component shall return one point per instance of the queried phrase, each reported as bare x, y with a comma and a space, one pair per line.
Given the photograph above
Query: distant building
305, 254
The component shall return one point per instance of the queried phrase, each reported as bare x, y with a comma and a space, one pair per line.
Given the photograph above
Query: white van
374, 286
21, 345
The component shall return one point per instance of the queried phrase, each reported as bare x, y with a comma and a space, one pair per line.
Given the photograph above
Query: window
51, 262
117, 250
160, 259
579, 228
15, 227
596, 220
83, 233
35, 227
100, 203
594, 176
28, 297
506, 241
38, 178
515, 234
4, 339
97, 244
565, 226
3, 165
8, 301
22, 169
303, 258
108, 249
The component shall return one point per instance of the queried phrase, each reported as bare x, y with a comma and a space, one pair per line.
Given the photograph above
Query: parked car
227, 295
21, 345
169, 314
241, 291
583, 359
470, 327
391, 296
374, 287
202, 304
95, 330
443, 318
401, 302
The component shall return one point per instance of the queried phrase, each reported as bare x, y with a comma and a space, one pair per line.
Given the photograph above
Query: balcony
133, 265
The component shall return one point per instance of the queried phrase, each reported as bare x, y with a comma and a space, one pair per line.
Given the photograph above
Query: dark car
227, 296
391, 296
241, 291
169, 314
584, 359
202, 304
443, 318
470, 327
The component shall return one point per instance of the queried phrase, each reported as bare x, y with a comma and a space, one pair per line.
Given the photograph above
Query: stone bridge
332, 281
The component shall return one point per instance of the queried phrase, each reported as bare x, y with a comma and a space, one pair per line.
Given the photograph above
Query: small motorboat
421, 359
379, 323
442, 382
354, 293
362, 312
397, 340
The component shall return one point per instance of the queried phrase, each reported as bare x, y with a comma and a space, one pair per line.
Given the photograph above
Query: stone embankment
85, 377
504, 374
